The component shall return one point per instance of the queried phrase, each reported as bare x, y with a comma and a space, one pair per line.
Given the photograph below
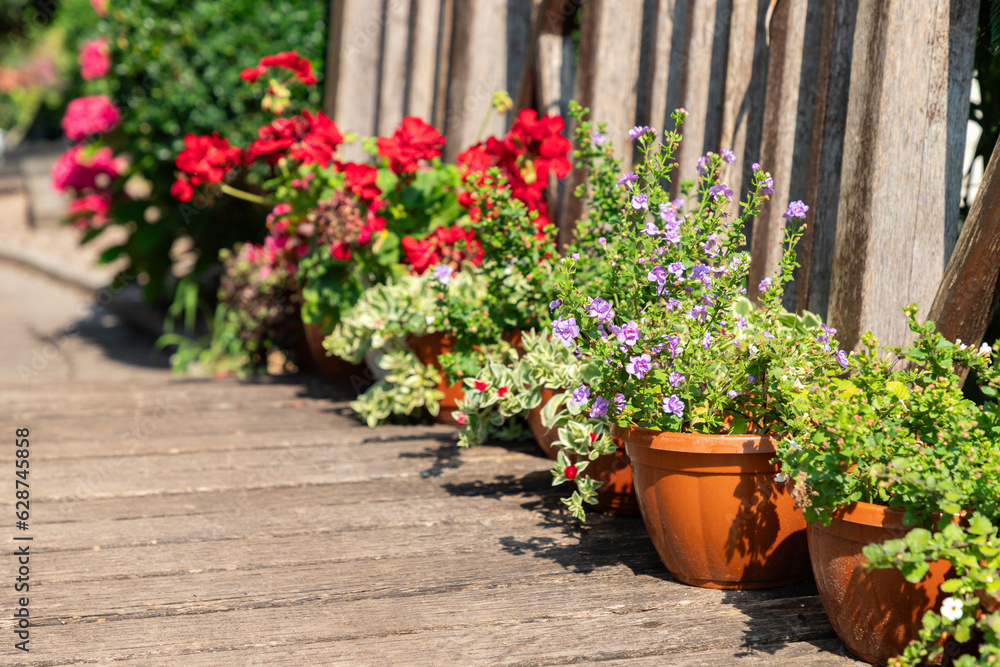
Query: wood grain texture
742, 116
699, 94
424, 42
665, 59
893, 220
354, 61
333, 544
395, 76
823, 187
970, 288
785, 85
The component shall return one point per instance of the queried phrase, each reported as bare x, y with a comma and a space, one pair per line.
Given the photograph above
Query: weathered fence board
892, 220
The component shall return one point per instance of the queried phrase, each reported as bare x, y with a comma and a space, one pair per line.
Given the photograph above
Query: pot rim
695, 443
871, 514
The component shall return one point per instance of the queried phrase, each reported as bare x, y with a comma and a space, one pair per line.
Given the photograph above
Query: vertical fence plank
395, 76
892, 217
699, 94
607, 81
353, 67
823, 188
442, 73
478, 68
667, 47
742, 114
425, 19
970, 289
780, 135
961, 52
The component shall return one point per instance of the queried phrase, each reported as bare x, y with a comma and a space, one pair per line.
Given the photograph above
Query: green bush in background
173, 64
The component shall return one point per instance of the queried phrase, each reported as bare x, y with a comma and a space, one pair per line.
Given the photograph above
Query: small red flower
502, 391
461, 418
444, 245
594, 437
94, 59
570, 471
413, 140
207, 158
481, 386
182, 190
291, 60
361, 180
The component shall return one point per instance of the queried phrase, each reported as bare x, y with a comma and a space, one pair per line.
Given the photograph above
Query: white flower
429, 319
951, 609
781, 478
794, 446
753, 349
798, 385
984, 348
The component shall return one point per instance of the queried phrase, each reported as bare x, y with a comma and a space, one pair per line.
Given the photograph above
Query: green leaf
914, 572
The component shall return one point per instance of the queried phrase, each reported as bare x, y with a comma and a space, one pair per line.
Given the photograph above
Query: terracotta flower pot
333, 368
713, 510
876, 613
428, 348
617, 495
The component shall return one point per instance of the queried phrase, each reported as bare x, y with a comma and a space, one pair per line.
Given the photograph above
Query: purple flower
600, 407
741, 324
677, 268
640, 202
443, 273
598, 138
676, 378
651, 229
702, 165
698, 312
620, 402
764, 285
575, 255
667, 213
672, 303
567, 330
674, 343
733, 393
702, 273
601, 240
554, 304
842, 358
657, 275
767, 186
768, 335
728, 156
639, 366
629, 334
751, 379
600, 309
824, 337
720, 189
672, 232
638, 131
796, 211
755, 166
627, 179
673, 405
580, 396
706, 341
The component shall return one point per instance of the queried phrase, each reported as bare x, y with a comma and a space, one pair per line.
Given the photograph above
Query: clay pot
333, 368
616, 496
713, 510
428, 348
543, 436
876, 613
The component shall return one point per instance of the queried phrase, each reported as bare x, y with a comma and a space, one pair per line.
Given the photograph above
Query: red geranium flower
361, 180
75, 170
90, 211
182, 190
413, 140
444, 245
288, 60
207, 158
94, 59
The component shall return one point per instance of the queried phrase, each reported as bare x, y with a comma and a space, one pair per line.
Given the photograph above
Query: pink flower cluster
95, 59
87, 116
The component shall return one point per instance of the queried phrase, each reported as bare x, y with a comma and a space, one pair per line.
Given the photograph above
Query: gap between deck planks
261, 523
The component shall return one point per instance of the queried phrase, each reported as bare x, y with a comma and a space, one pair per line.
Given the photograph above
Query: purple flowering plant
680, 348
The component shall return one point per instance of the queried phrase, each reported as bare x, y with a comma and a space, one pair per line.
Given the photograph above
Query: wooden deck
184, 522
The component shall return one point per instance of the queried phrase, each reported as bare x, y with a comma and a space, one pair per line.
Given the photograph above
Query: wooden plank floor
189, 522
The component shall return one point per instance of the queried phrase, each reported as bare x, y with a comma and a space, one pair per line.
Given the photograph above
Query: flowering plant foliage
680, 349
150, 76
905, 436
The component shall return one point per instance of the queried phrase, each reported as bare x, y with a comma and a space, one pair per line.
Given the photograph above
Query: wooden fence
857, 107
